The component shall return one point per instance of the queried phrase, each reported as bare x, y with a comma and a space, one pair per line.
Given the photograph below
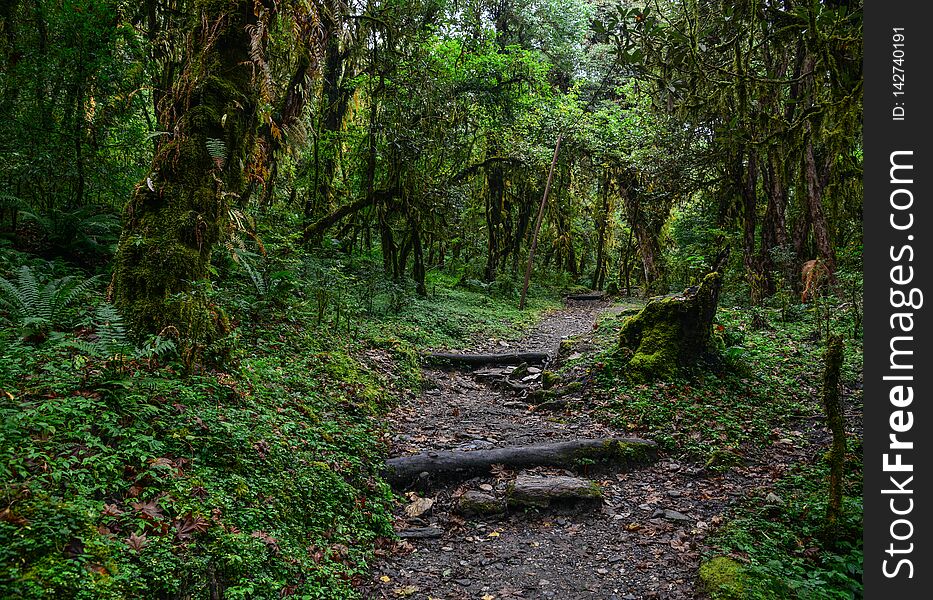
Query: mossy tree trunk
180, 211
670, 332
835, 419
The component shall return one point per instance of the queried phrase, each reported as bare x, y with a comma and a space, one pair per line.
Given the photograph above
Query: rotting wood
403, 471
510, 358
542, 491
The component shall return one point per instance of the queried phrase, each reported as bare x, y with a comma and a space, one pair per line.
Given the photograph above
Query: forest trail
641, 541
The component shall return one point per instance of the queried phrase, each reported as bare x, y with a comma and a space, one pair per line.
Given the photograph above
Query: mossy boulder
723, 578
549, 379
670, 332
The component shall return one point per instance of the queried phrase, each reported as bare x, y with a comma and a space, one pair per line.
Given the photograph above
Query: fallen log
587, 296
542, 491
403, 471
511, 358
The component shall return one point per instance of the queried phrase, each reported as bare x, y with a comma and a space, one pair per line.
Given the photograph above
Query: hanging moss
670, 332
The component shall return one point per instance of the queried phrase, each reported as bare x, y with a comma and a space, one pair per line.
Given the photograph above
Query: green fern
37, 308
113, 342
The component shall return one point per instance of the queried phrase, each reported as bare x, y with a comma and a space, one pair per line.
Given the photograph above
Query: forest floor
646, 539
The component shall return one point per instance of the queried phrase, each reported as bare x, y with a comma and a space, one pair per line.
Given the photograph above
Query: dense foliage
225, 225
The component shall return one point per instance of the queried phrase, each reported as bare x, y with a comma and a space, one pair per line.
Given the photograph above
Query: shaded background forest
420, 134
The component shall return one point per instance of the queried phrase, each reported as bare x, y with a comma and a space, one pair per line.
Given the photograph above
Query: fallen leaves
148, 510
7, 516
136, 542
189, 525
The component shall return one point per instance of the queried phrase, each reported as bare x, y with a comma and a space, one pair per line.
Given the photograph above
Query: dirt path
642, 542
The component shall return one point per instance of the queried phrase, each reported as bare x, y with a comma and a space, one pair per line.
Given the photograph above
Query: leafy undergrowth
760, 391
123, 476
781, 547
452, 316
122, 480
766, 376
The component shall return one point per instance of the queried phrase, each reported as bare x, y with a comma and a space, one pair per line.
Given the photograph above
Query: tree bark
757, 277
821, 233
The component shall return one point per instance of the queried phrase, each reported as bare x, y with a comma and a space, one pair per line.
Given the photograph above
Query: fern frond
9, 201
11, 298
29, 292
78, 290
217, 149
111, 331
35, 305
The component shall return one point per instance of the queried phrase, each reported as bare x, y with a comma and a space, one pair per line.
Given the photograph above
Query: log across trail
509, 358
457, 465
587, 296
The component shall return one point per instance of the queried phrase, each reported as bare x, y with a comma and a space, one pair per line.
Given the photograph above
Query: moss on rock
670, 332
723, 578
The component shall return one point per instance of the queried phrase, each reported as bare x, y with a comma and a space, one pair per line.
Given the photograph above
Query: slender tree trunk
538, 219
625, 270
602, 227
821, 234
757, 279
495, 213
418, 270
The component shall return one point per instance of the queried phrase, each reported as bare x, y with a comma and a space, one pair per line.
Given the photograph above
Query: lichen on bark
670, 332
